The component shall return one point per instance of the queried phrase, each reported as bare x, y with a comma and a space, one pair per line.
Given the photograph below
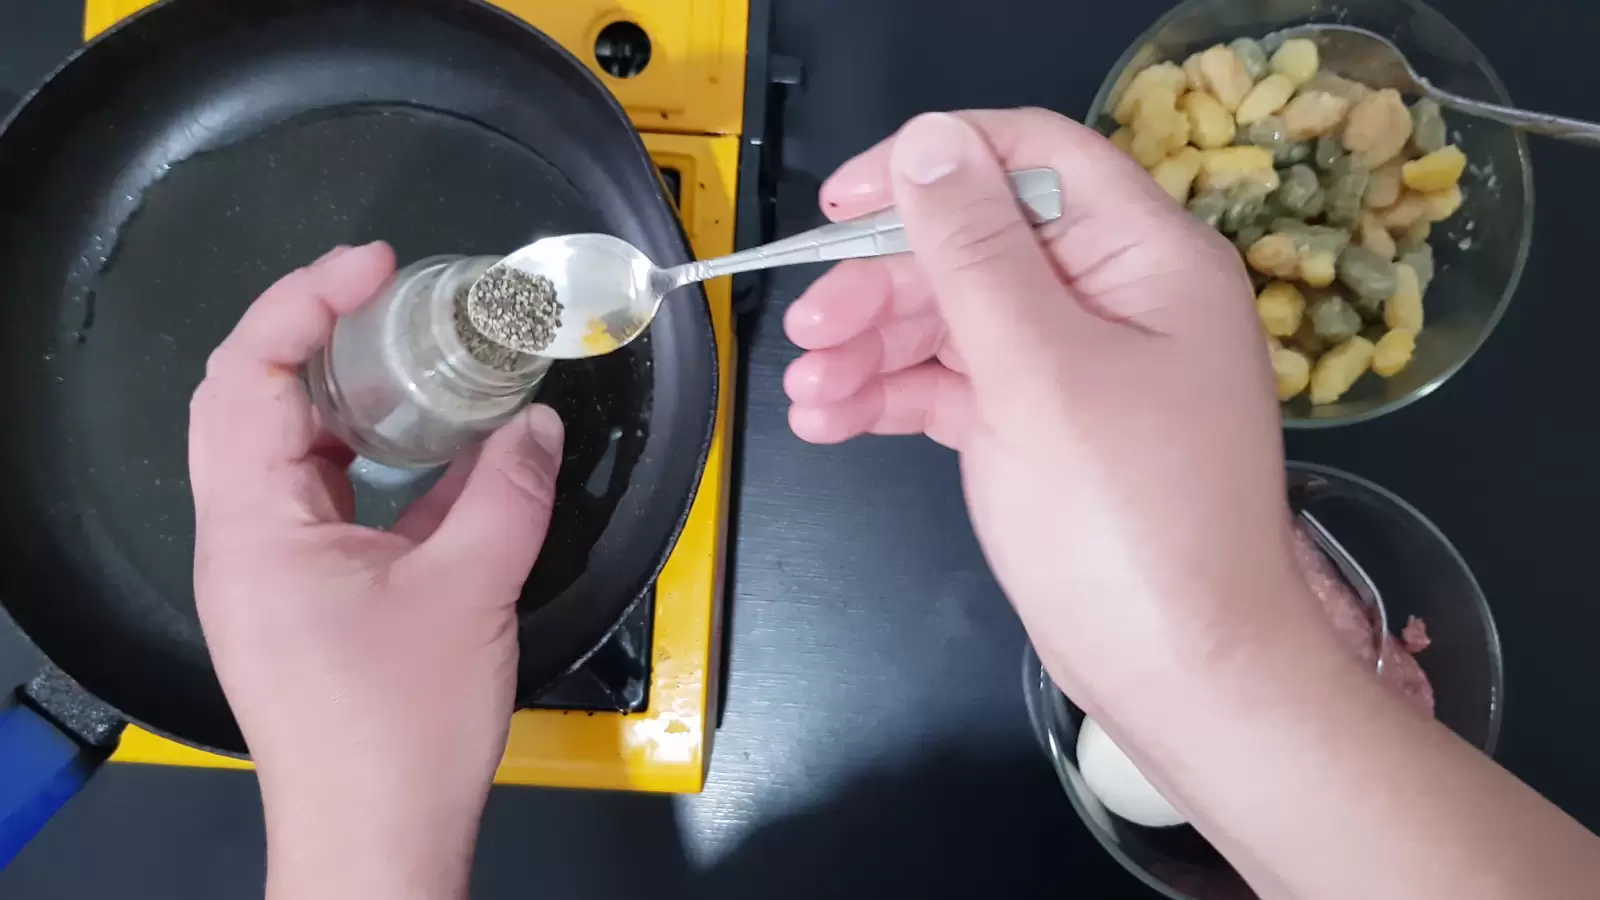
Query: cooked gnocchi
1328, 187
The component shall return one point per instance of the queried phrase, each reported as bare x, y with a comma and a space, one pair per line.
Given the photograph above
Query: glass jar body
397, 382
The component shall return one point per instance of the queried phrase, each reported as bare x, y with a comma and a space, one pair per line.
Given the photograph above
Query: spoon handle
1038, 192
1366, 590
1559, 127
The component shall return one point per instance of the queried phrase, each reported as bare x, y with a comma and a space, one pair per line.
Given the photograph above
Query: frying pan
164, 177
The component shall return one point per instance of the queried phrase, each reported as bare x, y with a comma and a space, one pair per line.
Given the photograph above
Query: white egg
1118, 784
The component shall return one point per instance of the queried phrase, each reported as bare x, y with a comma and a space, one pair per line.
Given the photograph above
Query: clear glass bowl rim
1046, 704
1525, 165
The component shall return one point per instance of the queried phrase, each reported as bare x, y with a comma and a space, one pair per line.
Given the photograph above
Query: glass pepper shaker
407, 382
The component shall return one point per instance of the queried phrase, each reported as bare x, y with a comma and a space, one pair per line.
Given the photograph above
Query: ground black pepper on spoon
514, 309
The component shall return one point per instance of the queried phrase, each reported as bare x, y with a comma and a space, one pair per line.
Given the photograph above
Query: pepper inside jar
408, 382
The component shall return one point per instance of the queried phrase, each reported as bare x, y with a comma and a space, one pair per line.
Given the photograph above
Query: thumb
497, 526
997, 290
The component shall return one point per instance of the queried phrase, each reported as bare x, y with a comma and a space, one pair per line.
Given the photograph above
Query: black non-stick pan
175, 168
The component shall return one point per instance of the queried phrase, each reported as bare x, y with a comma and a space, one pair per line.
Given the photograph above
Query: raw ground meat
1401, 672
1357, 626
1415, 635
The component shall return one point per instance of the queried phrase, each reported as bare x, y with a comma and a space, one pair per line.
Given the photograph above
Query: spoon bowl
608, 290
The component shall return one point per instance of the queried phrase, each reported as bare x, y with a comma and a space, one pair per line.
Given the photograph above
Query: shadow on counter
953, 824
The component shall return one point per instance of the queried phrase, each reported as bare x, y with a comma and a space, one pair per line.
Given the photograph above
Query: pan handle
42, 763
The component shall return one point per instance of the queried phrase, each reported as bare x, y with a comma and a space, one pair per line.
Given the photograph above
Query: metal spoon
1352, 573
1375, 61
610, 291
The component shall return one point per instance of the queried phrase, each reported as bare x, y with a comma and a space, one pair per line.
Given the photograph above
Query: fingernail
837, 190
931, 147
544, 428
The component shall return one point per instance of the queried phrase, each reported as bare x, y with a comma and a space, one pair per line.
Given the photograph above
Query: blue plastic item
44, 767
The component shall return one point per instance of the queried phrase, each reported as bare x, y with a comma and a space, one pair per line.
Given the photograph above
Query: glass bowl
1419, 574
1480, 251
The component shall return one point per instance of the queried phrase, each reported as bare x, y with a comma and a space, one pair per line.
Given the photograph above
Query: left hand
372, 672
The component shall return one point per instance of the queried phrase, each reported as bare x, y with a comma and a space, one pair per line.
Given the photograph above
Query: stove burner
617, 677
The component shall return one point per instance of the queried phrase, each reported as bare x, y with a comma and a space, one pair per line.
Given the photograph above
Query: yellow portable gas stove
641, 714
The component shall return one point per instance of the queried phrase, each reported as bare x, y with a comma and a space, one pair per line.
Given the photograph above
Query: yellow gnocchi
1393, 352
1224, 168
1292, 369
1438, 171
1210, 126
1275, 255
1372, 235
1122, 139
1193, 75
1177, 172
1313, 114
1149, 147
1318, 267
1410, 209
1443, 204
1225, 76
1280, 306
1268, 96
1158, 80
1378, 128
1338, 369
1296, 59
1403, 309
1159, 129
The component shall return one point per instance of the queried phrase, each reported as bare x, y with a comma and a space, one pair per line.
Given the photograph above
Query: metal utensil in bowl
1375, 61
1481, 251
1421, 574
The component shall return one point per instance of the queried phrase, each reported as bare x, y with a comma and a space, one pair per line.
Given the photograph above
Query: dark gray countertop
875, 740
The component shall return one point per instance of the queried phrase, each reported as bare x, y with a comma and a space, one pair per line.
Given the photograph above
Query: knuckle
1041, 116
234, 349
203, 398
216, 362
531, 479
1047, 123
988, 231
927, 341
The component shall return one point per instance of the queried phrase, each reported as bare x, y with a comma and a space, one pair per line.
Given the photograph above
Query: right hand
1110, 395
1105, 381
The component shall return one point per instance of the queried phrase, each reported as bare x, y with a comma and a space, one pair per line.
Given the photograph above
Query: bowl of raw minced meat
1429, 637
